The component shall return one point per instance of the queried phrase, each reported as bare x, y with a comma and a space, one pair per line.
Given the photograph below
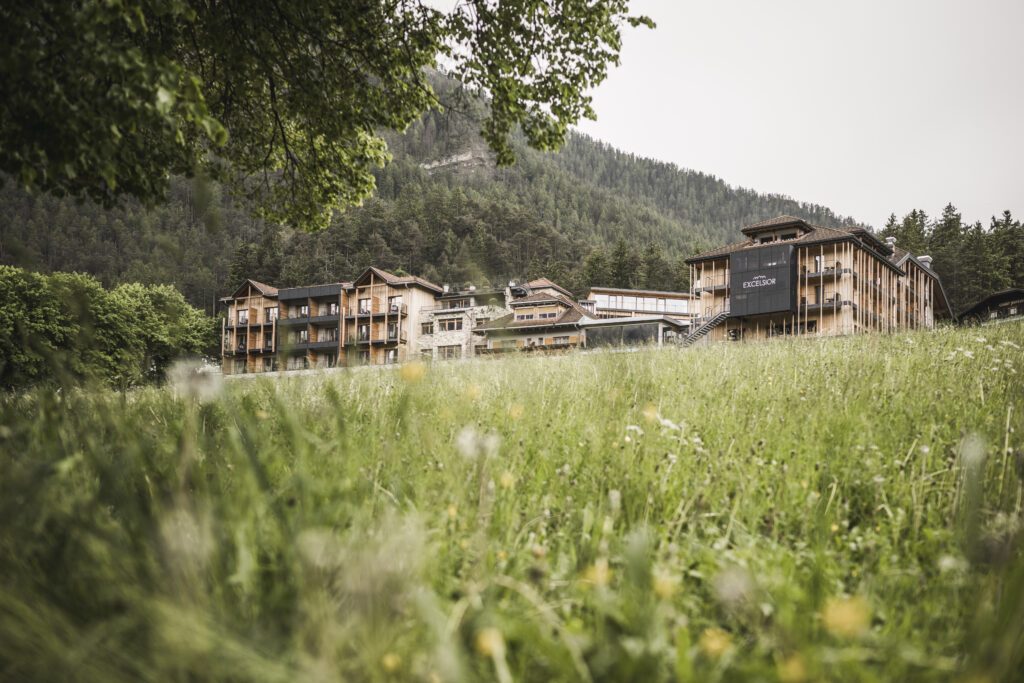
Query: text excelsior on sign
761, 281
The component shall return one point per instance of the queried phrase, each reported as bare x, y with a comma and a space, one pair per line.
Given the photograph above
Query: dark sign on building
762, 280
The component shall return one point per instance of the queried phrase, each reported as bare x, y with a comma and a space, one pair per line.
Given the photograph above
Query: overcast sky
867, 107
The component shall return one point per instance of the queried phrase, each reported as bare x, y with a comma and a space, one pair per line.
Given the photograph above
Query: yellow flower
835, 527
391, 662
453, 512
599, 574
490, 643
473, 392
515, 411
502, 556
792, 670
846, 617
715, 642
650, 412
413, 372
508, 480
664, 584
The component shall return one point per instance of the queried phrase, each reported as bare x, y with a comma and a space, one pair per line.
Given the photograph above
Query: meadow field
800, 510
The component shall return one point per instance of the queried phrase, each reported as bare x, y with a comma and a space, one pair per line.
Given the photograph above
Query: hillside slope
442, 210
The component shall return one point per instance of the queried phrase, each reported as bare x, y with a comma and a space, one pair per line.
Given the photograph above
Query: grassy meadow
801, 510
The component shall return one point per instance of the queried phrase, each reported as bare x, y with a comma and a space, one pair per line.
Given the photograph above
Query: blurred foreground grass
842, 510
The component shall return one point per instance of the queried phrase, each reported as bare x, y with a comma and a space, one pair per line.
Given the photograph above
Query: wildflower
650, 412
599, 574
453, 512
473, 392
635, 428
472, 444
733, 586
508, 480
538, 551
189, 379
714, 642
792, 670
502, 555
615, 500
846, 617
490, 643
515, 411
391, 662
834, 527
949, 563
413, 372
664, 584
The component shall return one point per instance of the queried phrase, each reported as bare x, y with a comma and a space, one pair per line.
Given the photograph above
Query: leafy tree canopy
283, 101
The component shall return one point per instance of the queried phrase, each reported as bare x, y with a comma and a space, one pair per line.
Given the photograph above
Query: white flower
635, 428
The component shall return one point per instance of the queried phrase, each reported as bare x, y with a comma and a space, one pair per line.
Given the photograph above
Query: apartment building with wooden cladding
373, 320
788, 277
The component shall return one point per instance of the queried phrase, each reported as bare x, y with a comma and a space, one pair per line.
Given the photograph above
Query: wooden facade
846, 282
373, 320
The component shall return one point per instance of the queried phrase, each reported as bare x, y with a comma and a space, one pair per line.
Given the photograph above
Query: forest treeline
66, 328
972, 260
587, 215
564, 215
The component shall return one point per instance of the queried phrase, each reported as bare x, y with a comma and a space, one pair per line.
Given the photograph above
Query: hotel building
788, 277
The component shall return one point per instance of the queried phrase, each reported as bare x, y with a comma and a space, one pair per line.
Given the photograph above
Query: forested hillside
587, 215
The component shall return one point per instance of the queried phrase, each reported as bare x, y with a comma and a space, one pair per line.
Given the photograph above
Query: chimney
926, 260
472, 288
445, 288
891, 241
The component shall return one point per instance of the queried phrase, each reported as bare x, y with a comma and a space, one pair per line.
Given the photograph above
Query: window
561, 340
391, 356
327, 335
427, 328
602, 301
817, 264
677, 306
449, 352
364, 357
333, 308
269, 364
394, 304
524, 316
243, 317
481, 321
364, 306
270, 314
364, 332
268, 342
450, 324
392, 331
817, 294
457, 303
767, 239
302, 337
789, 236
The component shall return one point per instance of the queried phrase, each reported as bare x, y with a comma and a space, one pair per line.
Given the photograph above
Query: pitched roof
776, 222
265, 290
993, 299
816, 235
392, 279
573, 313
542, 282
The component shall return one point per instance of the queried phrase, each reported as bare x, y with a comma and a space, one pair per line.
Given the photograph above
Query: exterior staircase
705, 327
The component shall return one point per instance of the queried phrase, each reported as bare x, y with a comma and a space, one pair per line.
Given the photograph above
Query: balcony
384, 309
